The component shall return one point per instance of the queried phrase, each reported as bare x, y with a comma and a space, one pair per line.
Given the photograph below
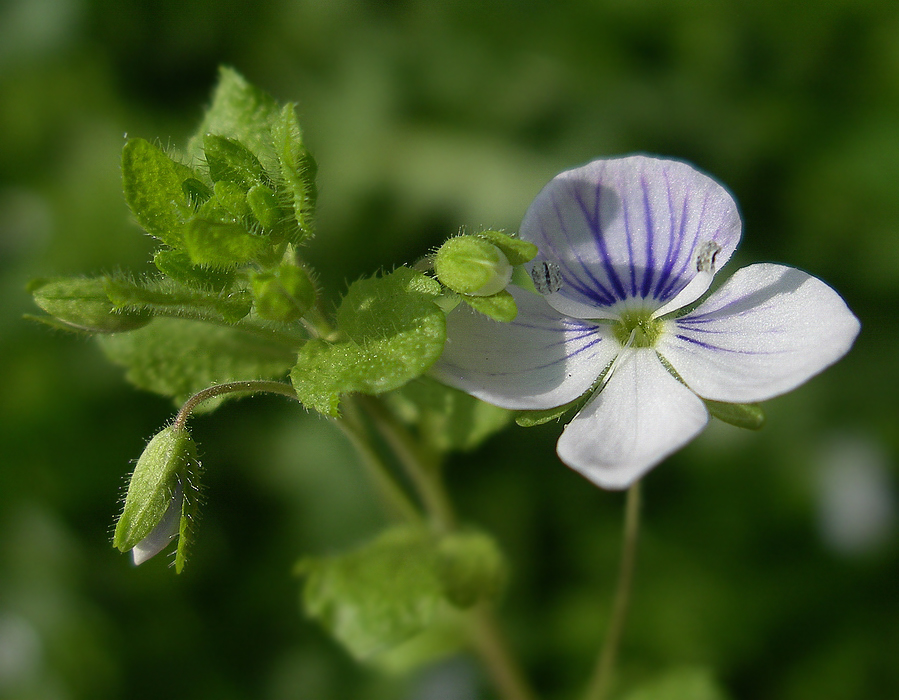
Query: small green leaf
240, 112
284, 295
82, 304
446, 418
233, 199
155, 191
177, 265
378, 596
223, 243
230, 161
167, 297
298, 171
470, 567
500, 307
742, 415
517, 251
178, 358
396, 333
263, 203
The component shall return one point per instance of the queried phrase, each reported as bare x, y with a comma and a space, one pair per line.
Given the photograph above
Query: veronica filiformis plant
627, 247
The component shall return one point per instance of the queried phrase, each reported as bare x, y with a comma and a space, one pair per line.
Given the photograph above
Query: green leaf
446, 418
223, 243
167, 297
230, 161
178, 358
742, 415
681, 684
241, 112
155, 190
379, 596
284, 294
82, 304
298, 170
499, 307
396, 333
470, 567
177, 265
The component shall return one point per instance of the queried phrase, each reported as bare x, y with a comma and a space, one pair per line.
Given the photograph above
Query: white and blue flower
627, 245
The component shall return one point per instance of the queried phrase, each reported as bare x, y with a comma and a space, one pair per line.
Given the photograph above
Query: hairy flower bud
472, 265
158, 503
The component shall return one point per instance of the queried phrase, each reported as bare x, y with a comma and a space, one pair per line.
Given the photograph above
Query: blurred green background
770, 559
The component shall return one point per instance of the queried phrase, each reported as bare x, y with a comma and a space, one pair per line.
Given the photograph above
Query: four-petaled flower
627, 245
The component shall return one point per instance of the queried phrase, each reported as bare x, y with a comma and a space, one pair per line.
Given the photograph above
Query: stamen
547, 277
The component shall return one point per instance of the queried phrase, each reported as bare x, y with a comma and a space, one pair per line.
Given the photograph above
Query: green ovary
645, 328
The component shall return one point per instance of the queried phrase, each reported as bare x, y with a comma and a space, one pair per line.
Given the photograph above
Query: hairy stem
251, 386
601, 681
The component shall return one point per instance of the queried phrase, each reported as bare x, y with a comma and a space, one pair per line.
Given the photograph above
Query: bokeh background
768, 559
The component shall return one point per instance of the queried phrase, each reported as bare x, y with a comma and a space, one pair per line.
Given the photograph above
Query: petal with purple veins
540, 360
766, 331
629, 228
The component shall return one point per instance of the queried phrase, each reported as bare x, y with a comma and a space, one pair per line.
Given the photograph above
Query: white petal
630, 229
641, 416
539, 360
164, 532
765, 332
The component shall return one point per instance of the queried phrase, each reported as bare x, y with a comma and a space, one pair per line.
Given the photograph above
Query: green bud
470, 568
160, 497
472, 265
82, 303
283, 295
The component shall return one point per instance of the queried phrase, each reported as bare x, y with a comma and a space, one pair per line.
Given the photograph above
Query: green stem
601, 681
493, 648
422, 469
250, 386
394, 496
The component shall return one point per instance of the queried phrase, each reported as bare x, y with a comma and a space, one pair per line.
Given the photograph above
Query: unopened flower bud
473, 266
157, 506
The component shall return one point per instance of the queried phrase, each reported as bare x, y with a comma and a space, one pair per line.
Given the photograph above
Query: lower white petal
540, 360
766, 331
641, 416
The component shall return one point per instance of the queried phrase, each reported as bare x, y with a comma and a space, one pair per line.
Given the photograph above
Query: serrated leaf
446, 418
155, 192
378, 596
500, 306
396, 333
178, 358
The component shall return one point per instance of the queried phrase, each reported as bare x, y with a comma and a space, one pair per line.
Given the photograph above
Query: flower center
646, 330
